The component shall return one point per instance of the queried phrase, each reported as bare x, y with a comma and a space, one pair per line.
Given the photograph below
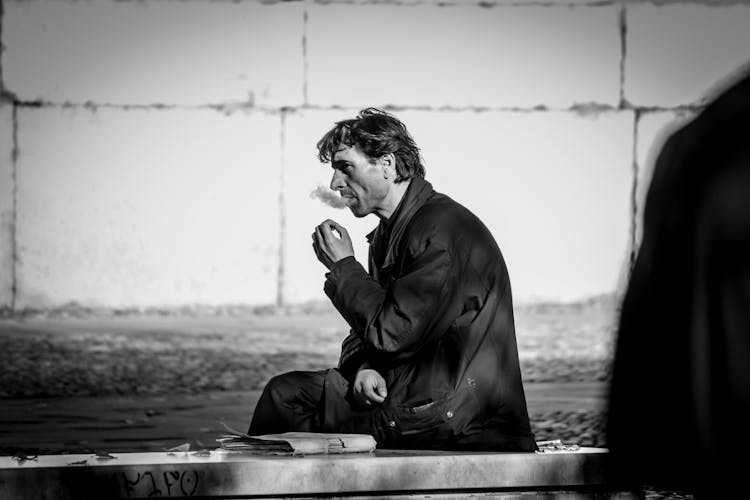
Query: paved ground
153, 423
136, 382
73, 381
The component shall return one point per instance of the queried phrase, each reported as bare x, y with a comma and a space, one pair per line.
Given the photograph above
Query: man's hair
375, 133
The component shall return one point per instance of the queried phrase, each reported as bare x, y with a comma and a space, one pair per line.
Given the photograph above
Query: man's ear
388, 162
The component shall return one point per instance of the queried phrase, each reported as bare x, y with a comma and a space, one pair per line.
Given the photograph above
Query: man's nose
336, 181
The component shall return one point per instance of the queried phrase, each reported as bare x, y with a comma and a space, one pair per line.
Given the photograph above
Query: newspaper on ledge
296, 443
555, 446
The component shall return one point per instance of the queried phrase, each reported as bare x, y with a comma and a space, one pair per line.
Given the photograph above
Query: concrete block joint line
14, 211
305, 61
623, 20
281, 274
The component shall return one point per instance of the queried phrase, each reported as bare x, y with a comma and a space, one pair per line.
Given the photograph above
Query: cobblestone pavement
66, 355
62, 355
135, 372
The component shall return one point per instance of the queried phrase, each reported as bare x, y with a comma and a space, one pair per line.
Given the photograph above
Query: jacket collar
416, 195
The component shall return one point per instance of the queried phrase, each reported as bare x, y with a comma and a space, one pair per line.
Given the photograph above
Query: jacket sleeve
353, 355
395, 321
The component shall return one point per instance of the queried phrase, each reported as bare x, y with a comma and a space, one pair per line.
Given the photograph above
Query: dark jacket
681, 375
435, 317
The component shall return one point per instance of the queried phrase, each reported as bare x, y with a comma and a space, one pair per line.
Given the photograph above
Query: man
431, 361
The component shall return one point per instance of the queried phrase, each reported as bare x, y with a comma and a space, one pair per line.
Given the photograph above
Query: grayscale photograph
374, 249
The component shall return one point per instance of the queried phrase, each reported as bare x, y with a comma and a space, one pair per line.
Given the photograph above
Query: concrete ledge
575, 474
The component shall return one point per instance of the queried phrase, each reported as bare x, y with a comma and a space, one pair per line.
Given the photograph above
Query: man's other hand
327, 246
369, 387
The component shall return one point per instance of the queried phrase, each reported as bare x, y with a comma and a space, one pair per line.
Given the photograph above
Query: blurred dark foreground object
680, 393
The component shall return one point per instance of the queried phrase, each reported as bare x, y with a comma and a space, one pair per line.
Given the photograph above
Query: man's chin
352, 205
357, 213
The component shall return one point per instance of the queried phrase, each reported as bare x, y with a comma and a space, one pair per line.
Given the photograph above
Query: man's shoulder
446, 219
441, 222
443, 211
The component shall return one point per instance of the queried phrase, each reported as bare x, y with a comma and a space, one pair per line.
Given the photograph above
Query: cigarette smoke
328, 196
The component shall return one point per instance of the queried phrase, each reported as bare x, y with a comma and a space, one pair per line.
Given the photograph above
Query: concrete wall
161, 153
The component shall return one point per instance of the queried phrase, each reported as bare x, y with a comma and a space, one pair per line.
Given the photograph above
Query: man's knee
286, 385
280, 385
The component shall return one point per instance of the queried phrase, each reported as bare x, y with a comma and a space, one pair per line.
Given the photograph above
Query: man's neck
393, 200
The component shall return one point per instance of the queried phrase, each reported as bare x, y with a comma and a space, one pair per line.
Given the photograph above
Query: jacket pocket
424, 417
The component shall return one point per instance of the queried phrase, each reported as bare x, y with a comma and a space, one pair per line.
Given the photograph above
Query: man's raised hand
327, 246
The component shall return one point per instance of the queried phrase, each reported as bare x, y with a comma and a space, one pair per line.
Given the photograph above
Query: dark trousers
320, 401
290, 402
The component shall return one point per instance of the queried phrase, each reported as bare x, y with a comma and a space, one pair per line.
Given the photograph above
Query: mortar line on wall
14, 211
634, 193
580, 108
229, 108
305, 62
623, 52
2, 49
280, 270
476, 3
576, 108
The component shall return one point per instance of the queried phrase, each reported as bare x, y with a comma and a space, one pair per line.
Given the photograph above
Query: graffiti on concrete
160, 484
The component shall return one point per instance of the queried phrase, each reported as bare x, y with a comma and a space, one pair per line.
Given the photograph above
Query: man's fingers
358, 393
372, 395
341, 229
381, 389
326, 232
320, 254
319, 238
316, 250
318, 234
343, 233
316, 237
327, 228
316, 244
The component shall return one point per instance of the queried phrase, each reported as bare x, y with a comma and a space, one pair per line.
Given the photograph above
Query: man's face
360, 182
